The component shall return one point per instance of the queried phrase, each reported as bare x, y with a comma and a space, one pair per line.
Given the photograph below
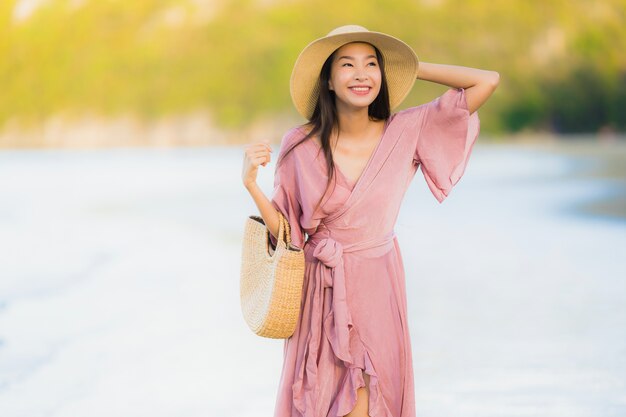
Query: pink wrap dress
353, 315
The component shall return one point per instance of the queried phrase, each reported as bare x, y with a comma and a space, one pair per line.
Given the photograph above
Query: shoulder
293, 136
290, 141
410, 114
451, 98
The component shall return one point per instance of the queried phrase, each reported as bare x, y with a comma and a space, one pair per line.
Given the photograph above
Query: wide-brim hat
400, 62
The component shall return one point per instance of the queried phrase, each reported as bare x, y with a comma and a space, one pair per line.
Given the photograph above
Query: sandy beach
120, 285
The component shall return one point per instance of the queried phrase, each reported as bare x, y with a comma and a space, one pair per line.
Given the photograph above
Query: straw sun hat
400, 61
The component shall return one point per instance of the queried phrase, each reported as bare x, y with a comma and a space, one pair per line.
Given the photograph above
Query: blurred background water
120, 285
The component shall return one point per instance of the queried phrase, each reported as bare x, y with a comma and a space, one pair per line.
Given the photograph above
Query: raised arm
259, 154
478, 84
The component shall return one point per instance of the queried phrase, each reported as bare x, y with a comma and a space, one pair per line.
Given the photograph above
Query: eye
373, 63
346, 64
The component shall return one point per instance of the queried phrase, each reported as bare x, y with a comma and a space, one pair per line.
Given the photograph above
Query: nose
360, 74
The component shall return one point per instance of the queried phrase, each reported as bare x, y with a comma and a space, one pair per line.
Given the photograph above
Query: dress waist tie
331, 319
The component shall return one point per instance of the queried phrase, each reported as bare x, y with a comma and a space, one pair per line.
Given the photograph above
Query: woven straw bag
271, 280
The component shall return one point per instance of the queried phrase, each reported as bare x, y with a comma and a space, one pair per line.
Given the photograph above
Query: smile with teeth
360, 90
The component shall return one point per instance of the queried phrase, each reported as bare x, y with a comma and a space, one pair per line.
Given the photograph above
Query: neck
353, 123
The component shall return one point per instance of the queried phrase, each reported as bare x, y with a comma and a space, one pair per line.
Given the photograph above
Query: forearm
453, 75
266, 208
478, 84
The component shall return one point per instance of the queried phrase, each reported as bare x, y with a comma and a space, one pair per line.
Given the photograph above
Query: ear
330, 85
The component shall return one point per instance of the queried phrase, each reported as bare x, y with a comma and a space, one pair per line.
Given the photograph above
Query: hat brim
400, 60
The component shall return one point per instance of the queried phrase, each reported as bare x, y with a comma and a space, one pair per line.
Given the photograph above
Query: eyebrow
351, 57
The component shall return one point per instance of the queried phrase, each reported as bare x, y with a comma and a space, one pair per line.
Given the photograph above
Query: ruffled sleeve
286, 195
445, 142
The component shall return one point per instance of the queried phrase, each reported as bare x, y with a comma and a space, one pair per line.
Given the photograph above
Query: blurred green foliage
562, 63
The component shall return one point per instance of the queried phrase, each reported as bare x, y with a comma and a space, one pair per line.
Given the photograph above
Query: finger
260, 147
257, 145
259, 153
259, 161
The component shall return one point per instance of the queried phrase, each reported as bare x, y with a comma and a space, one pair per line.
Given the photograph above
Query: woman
350, 354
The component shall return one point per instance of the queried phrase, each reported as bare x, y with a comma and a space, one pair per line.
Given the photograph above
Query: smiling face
355, 76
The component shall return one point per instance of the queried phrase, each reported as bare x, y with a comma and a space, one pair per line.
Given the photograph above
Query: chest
351, 159
352, 156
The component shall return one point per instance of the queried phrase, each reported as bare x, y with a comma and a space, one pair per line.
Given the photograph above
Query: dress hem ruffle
354, 380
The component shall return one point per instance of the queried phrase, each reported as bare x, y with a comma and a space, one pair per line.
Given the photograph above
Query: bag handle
284, 232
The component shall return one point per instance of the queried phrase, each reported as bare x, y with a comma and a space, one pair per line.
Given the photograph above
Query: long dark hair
324, 116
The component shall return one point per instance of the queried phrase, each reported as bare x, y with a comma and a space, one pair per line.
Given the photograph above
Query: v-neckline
352, 184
